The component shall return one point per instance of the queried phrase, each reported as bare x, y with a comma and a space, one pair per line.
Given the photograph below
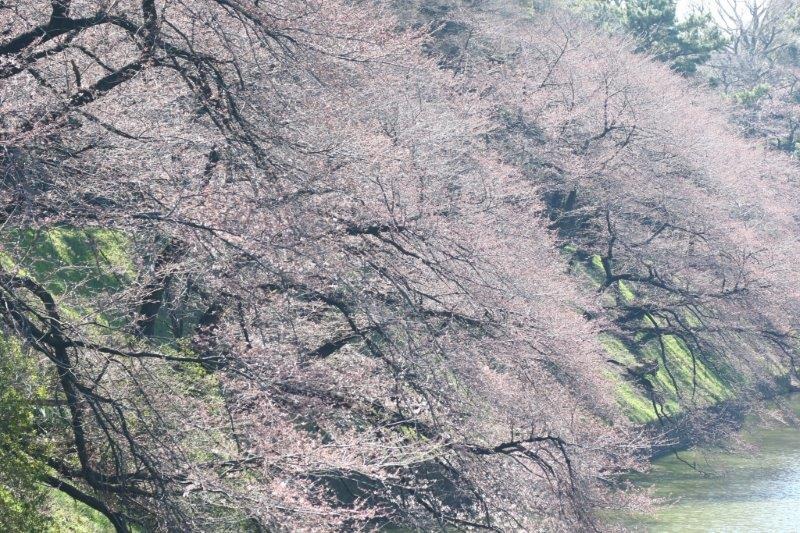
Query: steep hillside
335, 266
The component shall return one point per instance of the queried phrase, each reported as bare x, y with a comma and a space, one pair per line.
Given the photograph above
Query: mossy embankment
64, 260
659, 378
93, 276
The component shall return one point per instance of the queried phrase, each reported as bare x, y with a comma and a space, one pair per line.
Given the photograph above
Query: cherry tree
633, 167
331, 304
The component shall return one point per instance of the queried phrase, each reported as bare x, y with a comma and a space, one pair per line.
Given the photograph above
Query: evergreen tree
684, 44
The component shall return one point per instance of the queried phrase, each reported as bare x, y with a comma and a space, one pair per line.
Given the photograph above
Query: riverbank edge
709, 425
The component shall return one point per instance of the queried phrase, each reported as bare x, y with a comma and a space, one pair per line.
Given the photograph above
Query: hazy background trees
758, 68
747, 49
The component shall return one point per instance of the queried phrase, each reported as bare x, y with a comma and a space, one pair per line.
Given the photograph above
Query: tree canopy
306, 265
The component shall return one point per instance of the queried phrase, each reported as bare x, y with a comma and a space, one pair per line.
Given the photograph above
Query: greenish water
745, 490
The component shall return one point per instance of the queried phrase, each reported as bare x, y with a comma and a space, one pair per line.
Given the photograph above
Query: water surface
730, 491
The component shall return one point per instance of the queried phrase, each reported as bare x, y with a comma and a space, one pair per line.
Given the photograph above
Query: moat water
750, 489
